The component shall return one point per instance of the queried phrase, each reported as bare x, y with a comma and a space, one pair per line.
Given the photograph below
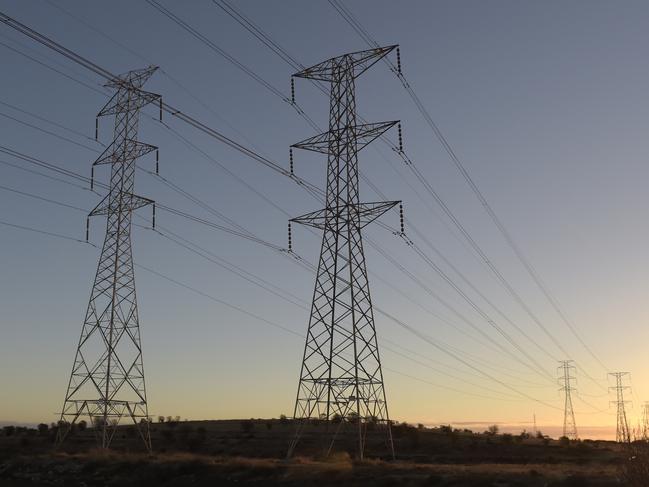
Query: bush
9, 430
446, 429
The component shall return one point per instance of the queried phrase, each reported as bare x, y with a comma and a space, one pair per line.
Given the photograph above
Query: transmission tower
341, 381
566, 377
644, 425
107, 379
622, 434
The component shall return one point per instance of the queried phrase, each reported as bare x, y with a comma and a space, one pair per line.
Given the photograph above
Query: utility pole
566, 370
107, 379
622, 434
535, 430
341, 381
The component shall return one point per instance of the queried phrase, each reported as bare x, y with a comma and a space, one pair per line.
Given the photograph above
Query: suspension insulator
290, 238
87, 229
293, 90
153, 217
157, 161
290, 158
92, 178
96, 128
400, 138
399, 60
160, 103
401, 218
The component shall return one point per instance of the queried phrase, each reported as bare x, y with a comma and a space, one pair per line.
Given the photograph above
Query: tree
82, 425
283, 419
43, 429
492, 430
161, 419
9, 430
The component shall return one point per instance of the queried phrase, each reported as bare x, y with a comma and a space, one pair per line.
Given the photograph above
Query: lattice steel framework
107, 379
341, 377
622, 435
644, 427
566, 378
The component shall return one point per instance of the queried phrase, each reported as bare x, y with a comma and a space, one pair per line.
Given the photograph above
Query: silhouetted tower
566, 370
341, 377
645, 421
107, 379
622, 434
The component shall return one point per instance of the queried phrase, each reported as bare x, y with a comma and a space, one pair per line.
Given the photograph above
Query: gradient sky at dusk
544, 102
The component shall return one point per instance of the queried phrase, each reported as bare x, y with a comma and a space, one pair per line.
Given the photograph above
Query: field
252, 452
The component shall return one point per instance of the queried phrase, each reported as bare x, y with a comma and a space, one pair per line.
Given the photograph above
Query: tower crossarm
363, 213
359, 61
128, 202
363, 134
122, 151
117, 105
134, 79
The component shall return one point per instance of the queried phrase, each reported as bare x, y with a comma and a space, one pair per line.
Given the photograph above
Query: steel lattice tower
566, 370
107, 379
622, 435
644, 427
341, 377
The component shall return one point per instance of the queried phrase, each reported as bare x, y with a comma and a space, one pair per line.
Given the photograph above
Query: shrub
446, 429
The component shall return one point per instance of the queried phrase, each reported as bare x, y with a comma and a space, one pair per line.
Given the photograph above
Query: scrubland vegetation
243, 452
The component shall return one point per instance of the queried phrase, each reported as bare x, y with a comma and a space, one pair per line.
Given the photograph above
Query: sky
543, 102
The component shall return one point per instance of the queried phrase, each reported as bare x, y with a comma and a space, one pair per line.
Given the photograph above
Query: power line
166, 107
363, 33
46, 120
209, 296
266, 40
58, 136
43, 232
31, 195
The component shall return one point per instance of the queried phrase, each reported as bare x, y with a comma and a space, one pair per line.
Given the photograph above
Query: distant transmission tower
341, 381
622, 435
566, 377
645, 421
107, 379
